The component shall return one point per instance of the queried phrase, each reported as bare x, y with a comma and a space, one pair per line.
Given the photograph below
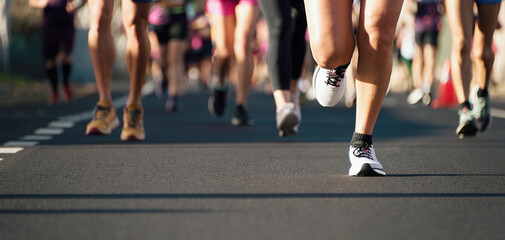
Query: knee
461, 46
484, 54
241, 46
331, 54
223, 53
136, 28
378, 43
100, 22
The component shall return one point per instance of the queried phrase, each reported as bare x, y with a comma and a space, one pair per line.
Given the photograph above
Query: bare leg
331, 34
430, 54
137, 47
101, 46
460, 16
376, 32
482, 40
223, 28
247, 16
176, 50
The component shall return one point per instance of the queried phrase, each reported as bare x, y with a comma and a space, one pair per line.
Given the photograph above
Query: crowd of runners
218, 39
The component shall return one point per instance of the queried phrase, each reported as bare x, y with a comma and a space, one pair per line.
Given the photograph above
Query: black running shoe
241, 118
173, 105
217, 102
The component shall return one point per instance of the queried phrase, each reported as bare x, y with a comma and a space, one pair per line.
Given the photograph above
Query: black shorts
176, 29
423, 38
56, 38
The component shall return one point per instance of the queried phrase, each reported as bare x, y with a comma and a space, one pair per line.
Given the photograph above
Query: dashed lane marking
61, 124
10, 149
49, 131
36, 138
21, 143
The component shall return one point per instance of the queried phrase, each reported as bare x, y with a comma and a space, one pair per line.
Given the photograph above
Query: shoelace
101, 112
335, 76
363, 151
133, 117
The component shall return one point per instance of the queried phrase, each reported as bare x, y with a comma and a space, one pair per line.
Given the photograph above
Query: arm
38, 3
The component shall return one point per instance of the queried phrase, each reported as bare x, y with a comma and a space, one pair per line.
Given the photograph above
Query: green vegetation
15, 79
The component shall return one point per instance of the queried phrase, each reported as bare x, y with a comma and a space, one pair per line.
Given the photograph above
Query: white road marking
36, 137
10, 149
49, 131
21, 143
499, 113
61, 124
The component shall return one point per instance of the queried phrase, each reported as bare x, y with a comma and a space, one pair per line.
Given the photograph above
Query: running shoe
363, 161
217, 101
329, 85
173, 105
241, 118
160, 87
287, 120
104, 120
480, 112
67, 93
415, 96
466, 125
133, 126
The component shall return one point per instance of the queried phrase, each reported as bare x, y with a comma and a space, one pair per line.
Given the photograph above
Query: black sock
359, 139
52, 74
482, 93
66, 67
465, 104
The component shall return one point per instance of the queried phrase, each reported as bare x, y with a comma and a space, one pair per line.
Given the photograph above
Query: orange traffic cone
446, 96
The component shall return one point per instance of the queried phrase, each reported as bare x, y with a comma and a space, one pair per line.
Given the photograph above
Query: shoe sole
237, 122
287, 126
97, 131
133, 138
367, 171
467, 130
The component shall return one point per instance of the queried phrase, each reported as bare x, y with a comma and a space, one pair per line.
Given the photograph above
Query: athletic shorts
430, 37
143, 1
226, 7
487, 1
176, 29
56, 38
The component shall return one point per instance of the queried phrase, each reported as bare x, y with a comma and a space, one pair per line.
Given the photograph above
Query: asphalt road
198, 177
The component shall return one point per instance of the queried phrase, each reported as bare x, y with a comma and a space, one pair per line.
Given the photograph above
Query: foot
415, 96
173, 105
217, 101
295, 99
329, 85
480, 113
466, 127
364, 162
287, 120
104, 120
133, 126
241, 118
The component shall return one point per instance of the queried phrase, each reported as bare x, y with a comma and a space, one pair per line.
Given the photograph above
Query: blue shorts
487, 1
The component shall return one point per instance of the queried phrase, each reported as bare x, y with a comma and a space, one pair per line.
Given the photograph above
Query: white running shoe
295, 99
329, 85
364, 162
287, 120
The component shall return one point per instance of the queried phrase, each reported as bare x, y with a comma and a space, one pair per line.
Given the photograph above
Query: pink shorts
226, 7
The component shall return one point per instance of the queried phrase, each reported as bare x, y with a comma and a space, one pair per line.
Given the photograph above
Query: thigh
329, 23
223, 27
460, 16
486, 23
377, 22
246, 14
